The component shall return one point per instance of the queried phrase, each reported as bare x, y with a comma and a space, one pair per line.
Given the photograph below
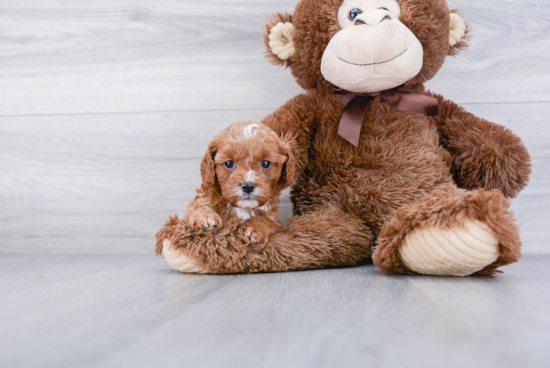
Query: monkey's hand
484, 154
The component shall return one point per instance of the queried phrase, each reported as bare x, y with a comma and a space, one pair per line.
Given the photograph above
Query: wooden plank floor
134, 311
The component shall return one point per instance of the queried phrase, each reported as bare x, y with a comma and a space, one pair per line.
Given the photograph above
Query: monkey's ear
279, 39
208, 167
458, 32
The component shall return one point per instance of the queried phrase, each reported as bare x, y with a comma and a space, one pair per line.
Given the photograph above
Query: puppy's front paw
254, 234
205, 220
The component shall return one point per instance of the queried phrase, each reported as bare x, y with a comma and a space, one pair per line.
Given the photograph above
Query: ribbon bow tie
352, 118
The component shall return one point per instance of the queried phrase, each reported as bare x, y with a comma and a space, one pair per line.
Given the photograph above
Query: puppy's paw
205, 220
254, 234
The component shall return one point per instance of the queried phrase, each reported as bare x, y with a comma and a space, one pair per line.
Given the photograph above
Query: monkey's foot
458, 251
178, 260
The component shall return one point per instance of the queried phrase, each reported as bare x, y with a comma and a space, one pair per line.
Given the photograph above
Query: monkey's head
364, 46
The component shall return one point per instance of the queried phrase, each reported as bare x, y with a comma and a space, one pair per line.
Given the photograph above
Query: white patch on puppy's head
248, 130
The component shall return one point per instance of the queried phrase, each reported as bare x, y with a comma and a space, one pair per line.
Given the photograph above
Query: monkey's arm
485, 155
295, 123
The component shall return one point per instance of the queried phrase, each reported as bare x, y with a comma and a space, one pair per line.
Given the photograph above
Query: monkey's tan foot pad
458, 251
178, 260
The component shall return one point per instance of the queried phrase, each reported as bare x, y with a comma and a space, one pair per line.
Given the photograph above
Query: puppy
244, 171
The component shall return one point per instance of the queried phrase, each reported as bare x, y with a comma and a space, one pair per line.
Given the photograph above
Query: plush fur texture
447, 207
408, 171
302, 246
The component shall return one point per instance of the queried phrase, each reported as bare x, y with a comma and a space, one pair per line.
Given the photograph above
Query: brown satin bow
352, 118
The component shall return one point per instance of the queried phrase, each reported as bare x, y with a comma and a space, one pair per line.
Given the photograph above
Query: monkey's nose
372, 18
247, 187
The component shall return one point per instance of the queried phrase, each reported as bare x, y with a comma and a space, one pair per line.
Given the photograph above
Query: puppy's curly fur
244, 171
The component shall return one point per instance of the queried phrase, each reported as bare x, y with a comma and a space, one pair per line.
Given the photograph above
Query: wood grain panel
61, 57
106, 183
99, 182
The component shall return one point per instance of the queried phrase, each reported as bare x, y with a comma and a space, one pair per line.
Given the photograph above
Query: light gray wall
106, 108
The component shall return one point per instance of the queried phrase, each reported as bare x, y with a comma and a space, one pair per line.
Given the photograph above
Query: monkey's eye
266, 164
230, 164
354, 13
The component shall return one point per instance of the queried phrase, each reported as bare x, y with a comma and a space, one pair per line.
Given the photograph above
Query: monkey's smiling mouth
383, 62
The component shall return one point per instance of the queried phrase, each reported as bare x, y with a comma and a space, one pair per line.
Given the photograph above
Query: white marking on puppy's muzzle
250, 176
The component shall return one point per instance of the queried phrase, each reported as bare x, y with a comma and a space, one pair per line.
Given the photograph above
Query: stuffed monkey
385, 169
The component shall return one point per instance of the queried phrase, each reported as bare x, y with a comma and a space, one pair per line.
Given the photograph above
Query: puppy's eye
383, 9
266, 164
230, 164
354, 13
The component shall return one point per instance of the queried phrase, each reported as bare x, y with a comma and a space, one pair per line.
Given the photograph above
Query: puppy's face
251, 165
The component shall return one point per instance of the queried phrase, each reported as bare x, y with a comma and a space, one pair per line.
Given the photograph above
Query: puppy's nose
248, 187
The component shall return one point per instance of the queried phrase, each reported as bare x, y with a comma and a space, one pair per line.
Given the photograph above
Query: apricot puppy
244, 171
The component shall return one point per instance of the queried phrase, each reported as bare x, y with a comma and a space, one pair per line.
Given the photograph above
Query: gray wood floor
134, 311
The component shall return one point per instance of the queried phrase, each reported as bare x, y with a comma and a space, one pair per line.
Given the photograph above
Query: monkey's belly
373, 183
384, 190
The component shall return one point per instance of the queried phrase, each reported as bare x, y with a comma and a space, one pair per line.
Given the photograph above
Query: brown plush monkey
384, 169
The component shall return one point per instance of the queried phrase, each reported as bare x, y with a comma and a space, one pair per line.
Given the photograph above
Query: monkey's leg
194, 250
451, 232
319, 239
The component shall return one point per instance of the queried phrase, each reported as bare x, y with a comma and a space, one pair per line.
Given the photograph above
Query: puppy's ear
288, 175
208, 167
